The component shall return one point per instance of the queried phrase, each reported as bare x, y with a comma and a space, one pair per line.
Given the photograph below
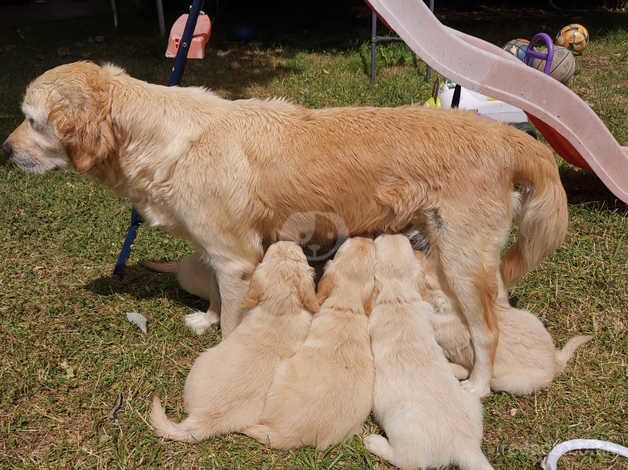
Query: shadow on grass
585, 187
230, 67
142, 283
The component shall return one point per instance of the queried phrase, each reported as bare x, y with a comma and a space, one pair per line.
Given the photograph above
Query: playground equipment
175, 77
200, 37
567, 123
376, 39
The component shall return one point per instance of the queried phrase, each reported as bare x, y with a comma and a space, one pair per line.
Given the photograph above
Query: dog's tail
563, 355
543, 215
188, 430
162, 266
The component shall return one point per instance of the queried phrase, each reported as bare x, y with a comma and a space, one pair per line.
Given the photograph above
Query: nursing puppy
227, 385
324, 393
229, 176
526, 359
429, 419
198, 278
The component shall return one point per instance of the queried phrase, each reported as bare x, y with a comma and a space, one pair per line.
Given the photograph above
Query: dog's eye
31, 121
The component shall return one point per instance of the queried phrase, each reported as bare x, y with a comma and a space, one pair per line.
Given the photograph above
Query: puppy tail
543, 215
563, 355
187, 430
162, 266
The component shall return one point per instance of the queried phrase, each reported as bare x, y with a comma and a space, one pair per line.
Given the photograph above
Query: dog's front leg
224, 286
233, 282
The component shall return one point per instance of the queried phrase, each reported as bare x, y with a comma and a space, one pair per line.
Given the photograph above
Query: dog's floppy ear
253, 295
306, 291
82, 117
325, 286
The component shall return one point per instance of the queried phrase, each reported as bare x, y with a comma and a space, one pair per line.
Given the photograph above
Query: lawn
69, 354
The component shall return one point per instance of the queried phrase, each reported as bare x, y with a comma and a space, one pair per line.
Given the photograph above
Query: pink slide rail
567, 122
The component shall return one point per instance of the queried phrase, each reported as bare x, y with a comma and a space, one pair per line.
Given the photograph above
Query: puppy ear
253, 295
307, 295
83, 121
325, 286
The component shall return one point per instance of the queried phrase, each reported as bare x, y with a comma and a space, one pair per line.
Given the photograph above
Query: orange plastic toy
202, 31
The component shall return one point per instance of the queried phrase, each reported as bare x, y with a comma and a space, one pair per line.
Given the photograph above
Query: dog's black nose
7, 148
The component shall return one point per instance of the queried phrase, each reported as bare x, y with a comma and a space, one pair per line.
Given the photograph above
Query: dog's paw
199, 321
473, 388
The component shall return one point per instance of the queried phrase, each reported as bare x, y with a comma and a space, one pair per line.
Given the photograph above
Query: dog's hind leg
467, 244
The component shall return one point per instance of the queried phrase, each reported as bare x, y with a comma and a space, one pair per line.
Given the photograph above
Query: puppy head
395, 257
66, 120
398, 271
283, 276
353, 268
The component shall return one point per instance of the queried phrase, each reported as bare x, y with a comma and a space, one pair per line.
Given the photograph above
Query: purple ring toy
548, 57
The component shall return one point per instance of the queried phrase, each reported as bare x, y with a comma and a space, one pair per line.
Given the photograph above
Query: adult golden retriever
227, 174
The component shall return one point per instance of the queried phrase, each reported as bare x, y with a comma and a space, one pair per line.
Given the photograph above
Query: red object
561, 145
200, 38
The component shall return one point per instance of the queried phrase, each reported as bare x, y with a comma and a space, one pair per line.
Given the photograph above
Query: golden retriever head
283, 279
352, 270
66, 120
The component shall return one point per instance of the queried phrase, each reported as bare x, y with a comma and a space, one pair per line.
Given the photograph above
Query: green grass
68, 351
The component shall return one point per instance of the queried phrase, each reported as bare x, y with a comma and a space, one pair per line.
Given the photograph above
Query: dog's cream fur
227, 175
526, 359
227, 385
324, 393
429, 419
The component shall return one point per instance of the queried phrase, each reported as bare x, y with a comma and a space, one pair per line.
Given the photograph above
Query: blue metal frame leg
175, 78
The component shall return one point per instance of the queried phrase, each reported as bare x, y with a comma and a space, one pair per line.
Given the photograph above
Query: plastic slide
567, 122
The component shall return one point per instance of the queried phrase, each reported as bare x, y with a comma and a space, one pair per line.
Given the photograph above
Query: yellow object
433, 103
574, 37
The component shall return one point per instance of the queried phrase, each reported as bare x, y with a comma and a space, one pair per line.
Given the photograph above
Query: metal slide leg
428, 69
160, 17
373, 44
175, 78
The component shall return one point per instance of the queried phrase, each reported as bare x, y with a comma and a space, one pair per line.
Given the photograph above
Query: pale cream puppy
324, 393
429, 419
526, 359
227, 385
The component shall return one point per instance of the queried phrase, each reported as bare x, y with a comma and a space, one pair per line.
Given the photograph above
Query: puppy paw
199, 321
473, 388
379, 446
460, 372
373, 441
